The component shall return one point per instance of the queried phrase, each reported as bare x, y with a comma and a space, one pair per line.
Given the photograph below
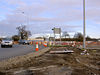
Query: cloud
42, 15
15, 2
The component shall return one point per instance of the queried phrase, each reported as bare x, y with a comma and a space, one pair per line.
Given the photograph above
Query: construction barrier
34, 43
31, 43
50, 43
40, 43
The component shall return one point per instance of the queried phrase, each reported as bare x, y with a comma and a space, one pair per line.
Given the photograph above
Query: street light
84, 33
27, 18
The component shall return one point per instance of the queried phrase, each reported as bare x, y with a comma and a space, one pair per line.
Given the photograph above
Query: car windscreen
7, 39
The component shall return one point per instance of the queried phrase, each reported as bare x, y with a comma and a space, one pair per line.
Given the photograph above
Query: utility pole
84, 30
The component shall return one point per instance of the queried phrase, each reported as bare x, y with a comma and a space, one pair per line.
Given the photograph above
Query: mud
59, 64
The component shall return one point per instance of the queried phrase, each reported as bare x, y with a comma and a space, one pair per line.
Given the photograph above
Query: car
6, 42
24, 42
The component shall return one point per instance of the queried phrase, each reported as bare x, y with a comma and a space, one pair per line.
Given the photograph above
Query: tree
0, 39
15, 37
78, 37
65, 34
88, 38
23, 33
39, 37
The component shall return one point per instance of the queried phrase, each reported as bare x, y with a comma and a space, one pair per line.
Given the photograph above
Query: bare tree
78, 35
65, 34
23, 33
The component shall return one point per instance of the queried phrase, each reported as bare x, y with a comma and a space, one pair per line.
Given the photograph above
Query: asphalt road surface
16, 50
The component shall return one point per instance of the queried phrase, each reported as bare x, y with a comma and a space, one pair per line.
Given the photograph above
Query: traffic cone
45, 44
37, 46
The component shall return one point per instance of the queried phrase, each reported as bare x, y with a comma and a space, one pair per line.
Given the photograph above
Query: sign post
57, 31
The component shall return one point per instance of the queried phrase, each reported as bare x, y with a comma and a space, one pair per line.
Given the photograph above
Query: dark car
24, 42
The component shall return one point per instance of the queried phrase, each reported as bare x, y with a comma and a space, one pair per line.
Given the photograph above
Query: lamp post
27, 18
84, 30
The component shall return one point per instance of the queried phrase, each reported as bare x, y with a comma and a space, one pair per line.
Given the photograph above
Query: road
16, 50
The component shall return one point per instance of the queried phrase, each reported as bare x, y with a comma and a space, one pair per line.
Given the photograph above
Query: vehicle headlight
11, 42
2, 42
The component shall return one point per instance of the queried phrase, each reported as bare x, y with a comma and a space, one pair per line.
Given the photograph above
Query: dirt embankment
58, 64
21, 60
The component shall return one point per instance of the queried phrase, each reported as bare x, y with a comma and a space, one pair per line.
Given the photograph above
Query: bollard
37, 46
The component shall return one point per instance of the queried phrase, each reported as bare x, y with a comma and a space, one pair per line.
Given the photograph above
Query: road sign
57, 30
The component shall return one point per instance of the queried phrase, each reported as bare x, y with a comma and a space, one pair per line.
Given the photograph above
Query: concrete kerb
6, 64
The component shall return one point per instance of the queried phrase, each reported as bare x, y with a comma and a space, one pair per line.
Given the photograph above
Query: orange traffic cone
37, 46
45, 44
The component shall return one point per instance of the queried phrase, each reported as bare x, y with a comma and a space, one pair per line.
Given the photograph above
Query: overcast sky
41, 16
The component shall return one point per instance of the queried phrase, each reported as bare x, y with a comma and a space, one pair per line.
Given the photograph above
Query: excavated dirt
59, 64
